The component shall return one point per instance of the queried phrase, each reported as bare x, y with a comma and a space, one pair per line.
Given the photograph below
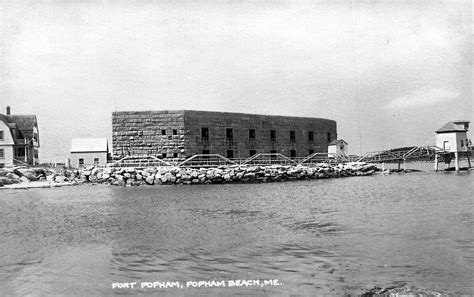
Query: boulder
150, 180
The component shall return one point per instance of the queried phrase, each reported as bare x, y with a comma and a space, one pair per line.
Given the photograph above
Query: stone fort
182, 133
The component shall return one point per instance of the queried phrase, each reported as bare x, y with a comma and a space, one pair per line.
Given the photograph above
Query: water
326, 237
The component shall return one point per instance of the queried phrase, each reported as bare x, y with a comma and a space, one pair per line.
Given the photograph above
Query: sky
389, 72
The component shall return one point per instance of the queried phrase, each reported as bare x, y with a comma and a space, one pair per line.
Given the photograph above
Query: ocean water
313, 237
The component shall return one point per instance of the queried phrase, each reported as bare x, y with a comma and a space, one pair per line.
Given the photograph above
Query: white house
89, 151
338, 147
19, 139
452, 137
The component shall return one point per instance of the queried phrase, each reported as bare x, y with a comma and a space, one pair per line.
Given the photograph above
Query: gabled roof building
89, 151
19, 139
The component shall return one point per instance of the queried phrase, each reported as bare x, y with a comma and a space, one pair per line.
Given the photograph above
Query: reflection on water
316, 237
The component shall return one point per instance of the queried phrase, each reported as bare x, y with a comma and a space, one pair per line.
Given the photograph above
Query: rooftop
89, 145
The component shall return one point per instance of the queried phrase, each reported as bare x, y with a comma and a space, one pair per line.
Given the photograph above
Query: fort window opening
293, 153
230, 154
251, 133
273, 135
310, 136
81, 161
175, 132
329, 137
163, 132
163, 155
2, 153
96, 161
175, 155
205, 152
1, 135
252, 153
292, 136
229, 134
310, 152
205, 133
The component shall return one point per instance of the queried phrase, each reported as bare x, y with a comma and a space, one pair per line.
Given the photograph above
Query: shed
338, 147
89, 151
452, 137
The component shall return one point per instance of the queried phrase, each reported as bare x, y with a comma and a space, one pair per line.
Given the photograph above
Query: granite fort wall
157, 133
242, 145
179, 134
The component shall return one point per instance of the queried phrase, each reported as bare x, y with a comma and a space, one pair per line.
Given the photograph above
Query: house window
251, 133
329, 137
293, 153
175, 132
252, 152
175, 155
311, 151
292, 136
20, 152
2, 153
96, 161
163, 155
204, 133
462, 142
229, 134
163, 132
230, 154
1, 135
310, 136
273, 135
81, 161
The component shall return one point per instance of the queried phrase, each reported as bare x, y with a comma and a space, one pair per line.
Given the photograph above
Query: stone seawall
186, 176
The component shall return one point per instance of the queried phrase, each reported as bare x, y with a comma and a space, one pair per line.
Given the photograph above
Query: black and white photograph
236, 148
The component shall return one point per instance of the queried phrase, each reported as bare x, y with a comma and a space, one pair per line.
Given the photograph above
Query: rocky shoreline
48, 177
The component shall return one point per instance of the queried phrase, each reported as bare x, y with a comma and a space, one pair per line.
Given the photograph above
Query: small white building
89, 151
338, 147
452, 137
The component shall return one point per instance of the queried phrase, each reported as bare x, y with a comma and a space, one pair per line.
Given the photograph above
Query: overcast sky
389, 72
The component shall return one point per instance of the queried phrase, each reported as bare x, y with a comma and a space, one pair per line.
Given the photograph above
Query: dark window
462, 142
273, 152
2, 153
293, 153
311, 152
175, 155
310, 136
252, 152
1, 135
251, 133
273, 135
205, 133
229, 134
205, 152
81, 161
36, 154
163, 155
175, 132
292, 136
230, 154
329, 137
96, 160
19, 152
2, 165
163, 132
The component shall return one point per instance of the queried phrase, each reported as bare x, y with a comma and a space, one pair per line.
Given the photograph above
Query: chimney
8, 110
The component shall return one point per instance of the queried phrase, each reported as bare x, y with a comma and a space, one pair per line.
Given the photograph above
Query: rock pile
187, 176
225, 174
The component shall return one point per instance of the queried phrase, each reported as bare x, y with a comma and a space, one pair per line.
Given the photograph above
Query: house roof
453, 127
89, 145
24, 123
337, 141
